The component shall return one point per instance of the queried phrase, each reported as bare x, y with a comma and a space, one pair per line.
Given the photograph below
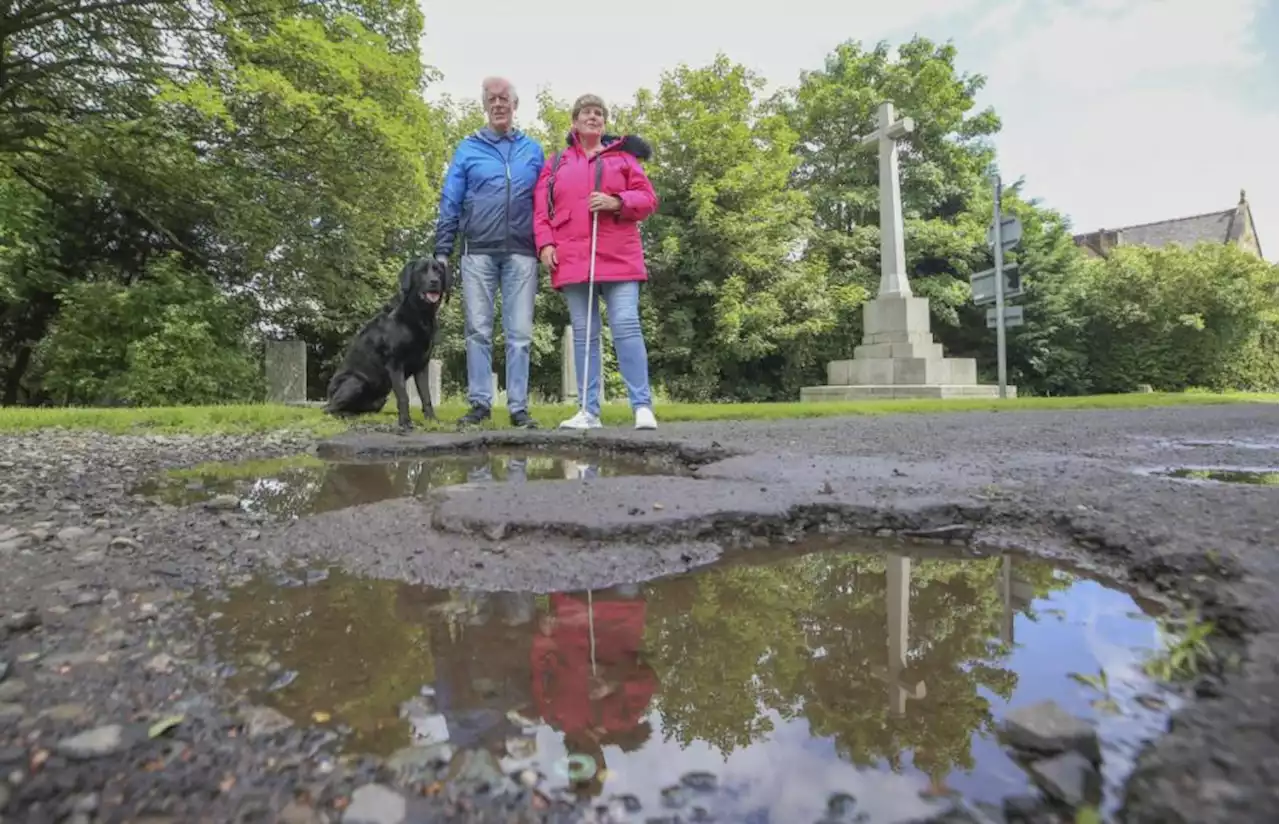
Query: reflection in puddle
306, 485
788, 678
1226, 475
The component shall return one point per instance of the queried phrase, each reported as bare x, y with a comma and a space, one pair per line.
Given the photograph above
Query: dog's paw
404, 427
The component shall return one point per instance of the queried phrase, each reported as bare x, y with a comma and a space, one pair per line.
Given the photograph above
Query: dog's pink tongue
431, 297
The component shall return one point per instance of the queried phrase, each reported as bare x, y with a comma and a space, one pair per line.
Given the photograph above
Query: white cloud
1124, 113
1116, 111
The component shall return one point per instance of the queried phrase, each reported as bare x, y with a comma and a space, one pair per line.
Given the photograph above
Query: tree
287, 154
1174, 318
728, 293
942, 172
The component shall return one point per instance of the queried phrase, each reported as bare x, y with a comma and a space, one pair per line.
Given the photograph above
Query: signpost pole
1001, 370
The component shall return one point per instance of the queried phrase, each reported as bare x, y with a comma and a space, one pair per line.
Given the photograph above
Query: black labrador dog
395, 344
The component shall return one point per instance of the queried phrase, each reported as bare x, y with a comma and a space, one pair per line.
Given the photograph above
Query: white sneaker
581, 420
645, 418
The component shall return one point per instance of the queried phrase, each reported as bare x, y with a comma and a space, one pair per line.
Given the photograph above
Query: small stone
223, 503
295, 812
161, 663
529, 778
87, 803
95, 743
67, 712
86, 599
12, 710
121, 542
5, 666
375, 804
496, 532
264, 721
17, 544
22, 621
71, 534
1045, 727
100, 523
1070, 778
958, 532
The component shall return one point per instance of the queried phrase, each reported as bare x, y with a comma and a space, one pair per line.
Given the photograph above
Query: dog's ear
406, 277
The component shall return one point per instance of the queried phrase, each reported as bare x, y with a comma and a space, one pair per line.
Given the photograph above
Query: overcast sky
1116, 111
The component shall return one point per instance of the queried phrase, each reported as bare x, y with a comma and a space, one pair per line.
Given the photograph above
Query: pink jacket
567, 224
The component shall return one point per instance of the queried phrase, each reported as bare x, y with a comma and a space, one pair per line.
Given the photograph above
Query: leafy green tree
728, 294
1175, 318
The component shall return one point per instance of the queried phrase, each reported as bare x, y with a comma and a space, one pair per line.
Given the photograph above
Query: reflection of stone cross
897, 594
893, 256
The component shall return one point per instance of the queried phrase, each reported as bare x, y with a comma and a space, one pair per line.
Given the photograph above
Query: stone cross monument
898, 357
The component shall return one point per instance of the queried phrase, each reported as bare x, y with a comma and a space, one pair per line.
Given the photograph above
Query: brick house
1234, 225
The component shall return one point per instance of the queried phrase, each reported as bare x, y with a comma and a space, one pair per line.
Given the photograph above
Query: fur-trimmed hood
633, 145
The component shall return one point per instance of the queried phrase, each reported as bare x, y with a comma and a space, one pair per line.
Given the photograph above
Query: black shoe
521, 420
478, 415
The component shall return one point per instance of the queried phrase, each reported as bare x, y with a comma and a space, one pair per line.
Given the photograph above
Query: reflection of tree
807, 637
355, 657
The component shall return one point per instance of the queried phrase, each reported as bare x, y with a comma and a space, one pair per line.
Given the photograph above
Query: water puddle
1253, 476
1213, 443
306, 485
793, 683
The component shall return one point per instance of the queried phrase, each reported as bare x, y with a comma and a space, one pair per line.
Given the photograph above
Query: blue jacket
488, 195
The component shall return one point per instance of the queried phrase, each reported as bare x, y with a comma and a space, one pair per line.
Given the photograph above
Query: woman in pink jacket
598, 174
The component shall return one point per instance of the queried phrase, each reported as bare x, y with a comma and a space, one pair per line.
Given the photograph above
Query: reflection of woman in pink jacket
598, 173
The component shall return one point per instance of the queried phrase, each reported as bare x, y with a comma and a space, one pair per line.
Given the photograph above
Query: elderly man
488, 199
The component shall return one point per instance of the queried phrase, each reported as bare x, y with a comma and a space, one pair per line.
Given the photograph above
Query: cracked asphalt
98, 581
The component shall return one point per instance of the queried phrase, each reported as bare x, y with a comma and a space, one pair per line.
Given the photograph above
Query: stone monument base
811, 394
898, 358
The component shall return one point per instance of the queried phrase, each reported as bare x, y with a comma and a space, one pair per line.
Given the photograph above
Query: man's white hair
497, 83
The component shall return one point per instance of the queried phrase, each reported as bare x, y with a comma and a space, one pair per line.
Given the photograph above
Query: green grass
249, 418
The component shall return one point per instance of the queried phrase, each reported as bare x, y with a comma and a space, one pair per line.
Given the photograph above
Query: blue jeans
517, 277
623, 301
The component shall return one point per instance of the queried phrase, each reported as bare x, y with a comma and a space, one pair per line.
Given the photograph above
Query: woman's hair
589, 100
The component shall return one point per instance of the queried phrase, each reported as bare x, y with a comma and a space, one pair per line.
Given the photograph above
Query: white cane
591, 301
591, 630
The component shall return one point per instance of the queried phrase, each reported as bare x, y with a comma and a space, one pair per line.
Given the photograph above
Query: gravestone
569, 371
568, 374
434, 374
898, 357
286, 371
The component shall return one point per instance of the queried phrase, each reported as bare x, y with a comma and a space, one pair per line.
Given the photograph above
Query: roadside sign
983, 284
1012, 317
1010, 232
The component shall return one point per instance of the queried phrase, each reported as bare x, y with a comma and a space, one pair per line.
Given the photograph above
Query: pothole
306, 485
1253, 476
865, 677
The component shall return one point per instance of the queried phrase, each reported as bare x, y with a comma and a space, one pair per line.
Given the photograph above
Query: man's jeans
623, 301
482, 277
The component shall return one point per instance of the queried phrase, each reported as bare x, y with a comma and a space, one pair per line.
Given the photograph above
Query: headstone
898, 357
286, 371
434, 375
568, 374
